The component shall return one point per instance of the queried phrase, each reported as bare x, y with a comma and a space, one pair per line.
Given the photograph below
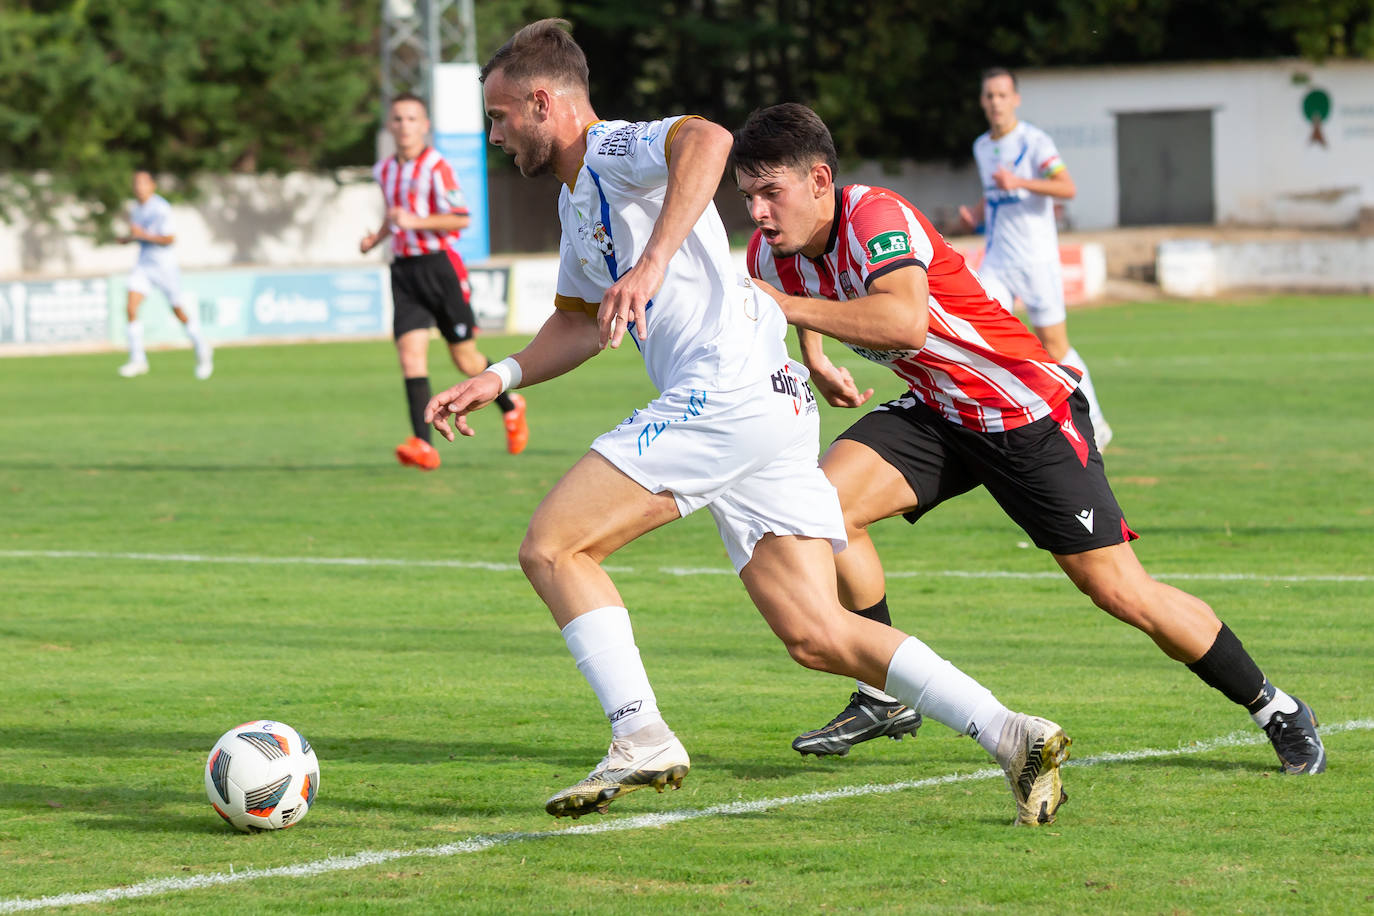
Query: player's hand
136, 234
967, 216
837, 386
1005, 179
626, 301
401, 218
459, 401
778, 295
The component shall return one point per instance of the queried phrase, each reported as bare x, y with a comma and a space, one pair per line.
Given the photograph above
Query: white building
1286, 142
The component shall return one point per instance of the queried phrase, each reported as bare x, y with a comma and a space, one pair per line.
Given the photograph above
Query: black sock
1230, 669
417, 395
878, 612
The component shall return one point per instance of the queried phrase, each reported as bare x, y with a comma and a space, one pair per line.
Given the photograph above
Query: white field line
629, 570
481, 842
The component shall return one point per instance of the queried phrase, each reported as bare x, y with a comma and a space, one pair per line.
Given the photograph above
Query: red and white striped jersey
980, 367
423, 186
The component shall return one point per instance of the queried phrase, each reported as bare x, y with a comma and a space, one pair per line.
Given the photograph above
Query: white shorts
1039, 286
165, 277
748, 455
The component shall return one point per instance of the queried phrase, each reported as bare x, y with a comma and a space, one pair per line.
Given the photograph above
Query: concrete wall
1267, 168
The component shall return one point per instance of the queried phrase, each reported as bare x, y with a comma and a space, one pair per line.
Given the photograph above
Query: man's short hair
782, 136
541, 49
409, 97
994, 72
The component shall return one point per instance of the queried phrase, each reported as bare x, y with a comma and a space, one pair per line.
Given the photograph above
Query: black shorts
430, 290
1046, 475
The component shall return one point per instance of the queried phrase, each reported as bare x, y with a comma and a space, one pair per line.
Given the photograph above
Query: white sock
603, 645
1072, 359
197, 339
869, 690
938, 690
136, 353
1279, 702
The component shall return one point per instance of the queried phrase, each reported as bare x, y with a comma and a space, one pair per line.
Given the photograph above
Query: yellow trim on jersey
668, 140
573, 304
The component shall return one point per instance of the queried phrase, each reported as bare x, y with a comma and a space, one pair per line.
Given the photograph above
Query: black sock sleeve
417, 396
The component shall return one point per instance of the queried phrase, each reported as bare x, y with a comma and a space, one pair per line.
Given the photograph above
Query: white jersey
154, 216
706, 328
1019, 225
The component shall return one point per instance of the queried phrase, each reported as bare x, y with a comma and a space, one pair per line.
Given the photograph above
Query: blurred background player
425, 210
1022, 176
150, 224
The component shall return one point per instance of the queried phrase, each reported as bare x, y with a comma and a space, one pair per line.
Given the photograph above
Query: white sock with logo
1279, 702
603, 645
938, 690
136, 352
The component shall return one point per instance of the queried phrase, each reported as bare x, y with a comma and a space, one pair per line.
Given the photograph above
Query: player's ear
542, 101
822, 180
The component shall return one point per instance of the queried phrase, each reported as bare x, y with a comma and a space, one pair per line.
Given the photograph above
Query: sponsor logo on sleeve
888, 245
456, 199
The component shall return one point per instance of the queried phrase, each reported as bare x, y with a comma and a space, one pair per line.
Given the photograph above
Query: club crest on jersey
888, 245
596, 232
847, 285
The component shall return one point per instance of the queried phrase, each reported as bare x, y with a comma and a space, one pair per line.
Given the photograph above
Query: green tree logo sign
1316, 108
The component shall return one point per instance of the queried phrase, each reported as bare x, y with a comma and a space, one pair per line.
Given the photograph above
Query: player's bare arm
893, 316
435, 222
566, 341
971, 219
698, 156
1059, 185
834, 382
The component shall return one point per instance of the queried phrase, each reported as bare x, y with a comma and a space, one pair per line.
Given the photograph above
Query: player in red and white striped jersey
425, 211
985, 406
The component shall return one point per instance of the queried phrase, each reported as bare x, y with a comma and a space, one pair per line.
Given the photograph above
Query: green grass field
178, 557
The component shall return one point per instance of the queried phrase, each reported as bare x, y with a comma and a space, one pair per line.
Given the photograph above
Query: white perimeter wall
1265, 168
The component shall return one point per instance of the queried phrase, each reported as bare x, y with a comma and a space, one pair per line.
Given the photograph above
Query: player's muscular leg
870, 490
593, 511
1055, 339
468, 358
412, 348
1183, 626
790, 581
135, 300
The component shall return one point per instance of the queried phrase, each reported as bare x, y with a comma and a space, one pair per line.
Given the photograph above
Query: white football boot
652, 756
1030, 751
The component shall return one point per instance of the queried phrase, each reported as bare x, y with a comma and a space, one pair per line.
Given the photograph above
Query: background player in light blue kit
151, 226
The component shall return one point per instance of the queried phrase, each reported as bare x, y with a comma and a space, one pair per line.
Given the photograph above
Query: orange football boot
418, 453
517, 430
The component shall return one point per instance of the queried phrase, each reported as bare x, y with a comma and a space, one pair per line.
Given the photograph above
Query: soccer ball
262, 775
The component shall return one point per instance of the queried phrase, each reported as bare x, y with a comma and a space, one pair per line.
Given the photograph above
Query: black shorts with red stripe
429, 290
1046, 475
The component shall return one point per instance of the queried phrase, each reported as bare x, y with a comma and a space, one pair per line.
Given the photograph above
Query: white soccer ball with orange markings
262, 775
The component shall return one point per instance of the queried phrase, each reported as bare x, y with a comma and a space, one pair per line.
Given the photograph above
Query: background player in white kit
735, 429
1022, 177
151, 226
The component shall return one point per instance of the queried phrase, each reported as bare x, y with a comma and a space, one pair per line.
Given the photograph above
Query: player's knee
538, 555
812, 649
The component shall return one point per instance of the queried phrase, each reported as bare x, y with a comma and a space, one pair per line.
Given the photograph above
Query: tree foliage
92, 89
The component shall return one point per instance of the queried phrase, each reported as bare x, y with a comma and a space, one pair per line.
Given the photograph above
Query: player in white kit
735, 429
151, 226
1022, 176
